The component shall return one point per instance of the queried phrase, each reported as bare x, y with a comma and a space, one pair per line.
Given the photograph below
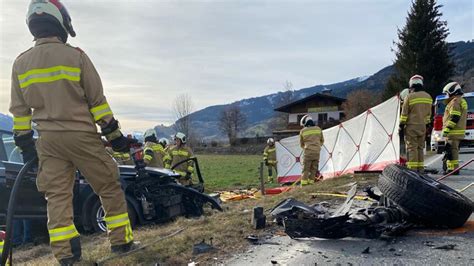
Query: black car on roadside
152, 196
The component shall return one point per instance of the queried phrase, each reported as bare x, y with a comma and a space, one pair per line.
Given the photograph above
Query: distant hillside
6, 122
259, 110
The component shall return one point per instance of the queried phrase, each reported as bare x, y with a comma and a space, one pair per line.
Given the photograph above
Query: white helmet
149, 133
415, 80
46, 13
452, 88
403, 94
181, 137
305, 120
164, 142
270, 140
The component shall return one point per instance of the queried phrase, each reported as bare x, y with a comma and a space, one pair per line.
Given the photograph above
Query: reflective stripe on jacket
456, 107
311, 140
154, 154
61, 85
179, 154
416, 109
269, 153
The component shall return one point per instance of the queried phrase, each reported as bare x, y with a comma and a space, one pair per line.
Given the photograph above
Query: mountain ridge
259, 110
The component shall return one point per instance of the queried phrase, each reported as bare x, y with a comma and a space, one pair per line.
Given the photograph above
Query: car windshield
440, 106
10, 151
470, 104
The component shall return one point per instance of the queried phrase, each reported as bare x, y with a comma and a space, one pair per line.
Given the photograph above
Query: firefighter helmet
305, 119
403, 94
181, 137
49, 17
164, 142
416, 82
149, 132
270, 141
452, 88
150, 135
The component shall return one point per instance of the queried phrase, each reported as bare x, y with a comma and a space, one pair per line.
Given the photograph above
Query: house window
298, 119
322, 117
342, 116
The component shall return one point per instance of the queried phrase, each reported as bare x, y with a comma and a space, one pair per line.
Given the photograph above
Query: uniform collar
47, 40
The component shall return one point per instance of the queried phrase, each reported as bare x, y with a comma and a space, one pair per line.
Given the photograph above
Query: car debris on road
408, 200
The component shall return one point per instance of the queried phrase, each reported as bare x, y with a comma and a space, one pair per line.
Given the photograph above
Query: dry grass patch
227, 229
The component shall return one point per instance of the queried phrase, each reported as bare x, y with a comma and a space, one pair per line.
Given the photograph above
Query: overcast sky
148, 52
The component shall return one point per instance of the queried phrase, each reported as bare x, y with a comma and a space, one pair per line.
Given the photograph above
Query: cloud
149, 52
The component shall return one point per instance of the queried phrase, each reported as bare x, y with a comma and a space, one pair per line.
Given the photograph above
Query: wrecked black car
408, 200
152, 196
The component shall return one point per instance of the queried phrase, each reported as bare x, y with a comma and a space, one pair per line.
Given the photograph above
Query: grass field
224, 172
227, 229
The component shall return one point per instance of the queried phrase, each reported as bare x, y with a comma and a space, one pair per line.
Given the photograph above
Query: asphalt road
416, 248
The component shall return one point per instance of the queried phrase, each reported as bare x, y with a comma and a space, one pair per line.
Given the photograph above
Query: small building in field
325, 109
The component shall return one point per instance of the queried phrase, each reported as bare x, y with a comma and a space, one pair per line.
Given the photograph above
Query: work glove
446, 131
266, 162
401, 128
118, 141
27, 146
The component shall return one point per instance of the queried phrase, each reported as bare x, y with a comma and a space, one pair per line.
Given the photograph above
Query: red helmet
49, 12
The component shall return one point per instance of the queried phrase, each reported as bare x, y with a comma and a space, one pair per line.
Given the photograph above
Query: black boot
119, 249
69, 261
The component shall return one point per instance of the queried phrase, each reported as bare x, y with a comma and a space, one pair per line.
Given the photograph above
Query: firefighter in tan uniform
155, 153
416, 114
57, 87
269, 157
179, 152
122, 158
311, 141
454, 124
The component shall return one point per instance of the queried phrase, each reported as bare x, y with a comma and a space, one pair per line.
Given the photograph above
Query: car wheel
97, 217
425, 199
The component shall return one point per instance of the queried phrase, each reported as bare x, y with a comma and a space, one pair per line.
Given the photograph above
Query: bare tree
359, 101
231, 122
182, 108
284, 97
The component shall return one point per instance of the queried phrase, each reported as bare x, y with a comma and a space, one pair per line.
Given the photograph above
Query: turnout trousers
60, 154
270, 167
310, 168
453, 162
415, 142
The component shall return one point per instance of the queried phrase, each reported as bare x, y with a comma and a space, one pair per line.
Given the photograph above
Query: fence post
262, 183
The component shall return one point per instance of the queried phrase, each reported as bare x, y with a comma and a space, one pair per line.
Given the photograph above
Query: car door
30, 202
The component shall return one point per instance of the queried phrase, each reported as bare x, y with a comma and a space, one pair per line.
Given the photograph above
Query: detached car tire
425, 199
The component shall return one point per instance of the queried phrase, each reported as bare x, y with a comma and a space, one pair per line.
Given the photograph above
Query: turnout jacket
155, 155
311, 140
416, 109
454, 119
269, 153
56, 86
177, 155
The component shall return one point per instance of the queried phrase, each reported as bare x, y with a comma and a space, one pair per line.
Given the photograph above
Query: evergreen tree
422, 49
